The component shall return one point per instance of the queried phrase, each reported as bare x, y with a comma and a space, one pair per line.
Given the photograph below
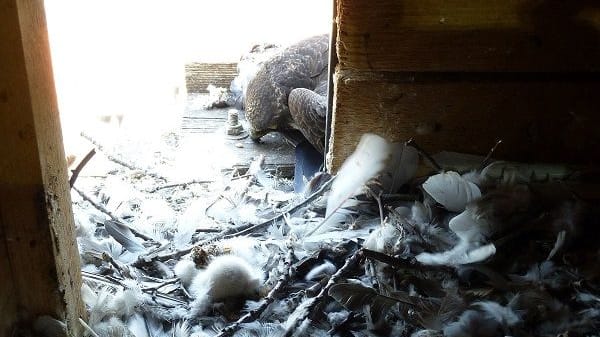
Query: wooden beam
457, 75
38, 252
538, 119
469, 35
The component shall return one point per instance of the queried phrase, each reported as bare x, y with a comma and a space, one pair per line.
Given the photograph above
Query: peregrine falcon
289, 92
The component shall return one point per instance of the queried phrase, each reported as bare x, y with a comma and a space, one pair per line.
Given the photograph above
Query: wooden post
39, 262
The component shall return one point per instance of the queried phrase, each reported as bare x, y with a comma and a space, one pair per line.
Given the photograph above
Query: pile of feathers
387, 247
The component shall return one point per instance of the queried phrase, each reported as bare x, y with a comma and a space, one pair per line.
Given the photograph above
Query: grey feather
124, 236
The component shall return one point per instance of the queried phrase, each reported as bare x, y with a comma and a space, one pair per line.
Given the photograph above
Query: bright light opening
124, 59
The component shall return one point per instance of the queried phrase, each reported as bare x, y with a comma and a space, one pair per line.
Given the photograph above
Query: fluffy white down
227, 276
186, 271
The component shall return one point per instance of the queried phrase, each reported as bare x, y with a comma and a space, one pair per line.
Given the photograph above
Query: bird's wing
308, 110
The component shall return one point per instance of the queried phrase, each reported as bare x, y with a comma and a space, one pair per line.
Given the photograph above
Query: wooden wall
460, 74
198, 76
39, 264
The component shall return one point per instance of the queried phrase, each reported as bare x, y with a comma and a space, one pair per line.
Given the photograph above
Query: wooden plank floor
200, 125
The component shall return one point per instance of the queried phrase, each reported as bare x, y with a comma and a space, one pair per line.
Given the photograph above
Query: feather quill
402, 167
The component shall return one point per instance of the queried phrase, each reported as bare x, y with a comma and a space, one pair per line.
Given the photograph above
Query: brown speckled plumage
274, 101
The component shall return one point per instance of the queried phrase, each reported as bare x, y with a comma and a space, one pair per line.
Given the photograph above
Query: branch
401, 263
82, 163
112, 216
158, 188
323, 294
426, 155
96, 205
282, 214
120, 161
229, 233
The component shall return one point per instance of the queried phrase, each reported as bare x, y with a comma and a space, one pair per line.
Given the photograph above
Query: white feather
503, 315
137, 325
325, 269
113, 327
463, 253
368, 160
421, 213
472, 323
383, 239
451, 190
470, 228
126, 300
157, 215
181, 329
186, 228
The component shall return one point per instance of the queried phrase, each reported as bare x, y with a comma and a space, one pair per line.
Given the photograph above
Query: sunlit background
126, 57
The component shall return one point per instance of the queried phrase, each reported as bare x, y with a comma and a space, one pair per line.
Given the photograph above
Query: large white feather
368, 160
451, 190
463, 253
470, 228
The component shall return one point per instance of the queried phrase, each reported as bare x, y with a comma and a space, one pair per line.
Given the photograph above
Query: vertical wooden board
469, 35
539, 120
38, 243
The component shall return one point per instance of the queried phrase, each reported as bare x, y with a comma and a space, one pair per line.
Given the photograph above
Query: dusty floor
181, 167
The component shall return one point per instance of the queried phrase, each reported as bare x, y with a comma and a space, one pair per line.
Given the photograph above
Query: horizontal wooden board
469, 35
198, 76
539, 119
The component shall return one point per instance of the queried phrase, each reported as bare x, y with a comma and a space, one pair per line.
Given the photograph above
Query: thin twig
117, 265
158, 188
323, 294
401, 263
120, 161
114, 282
377, 197
110, 215
291, 210
161, 285
230, 232
95, 204
390, 260
82, 163
489, 155
427, 156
